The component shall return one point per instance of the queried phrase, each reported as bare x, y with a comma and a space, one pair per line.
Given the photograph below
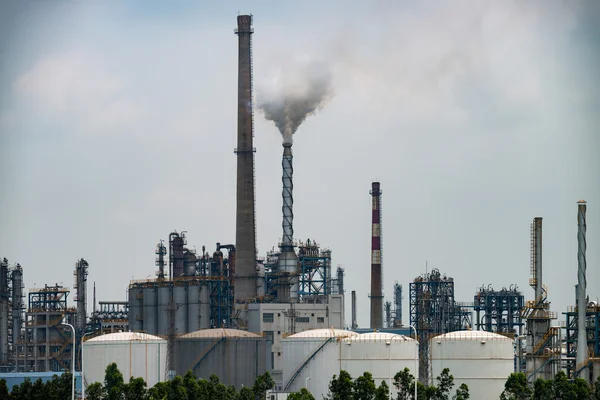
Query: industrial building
232, 313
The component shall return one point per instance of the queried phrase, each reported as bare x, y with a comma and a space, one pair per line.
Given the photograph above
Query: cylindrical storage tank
164, 300
150, 310
483, 360
181, 309
382, 354
193, 301
314, 354
136, 355
204, 307
236, 357
135, 308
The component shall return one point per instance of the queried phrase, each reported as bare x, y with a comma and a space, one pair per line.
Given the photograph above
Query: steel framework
499, 310
315, 269
433, 311
592, 325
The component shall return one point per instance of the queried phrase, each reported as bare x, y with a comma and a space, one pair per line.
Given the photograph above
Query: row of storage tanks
482, 360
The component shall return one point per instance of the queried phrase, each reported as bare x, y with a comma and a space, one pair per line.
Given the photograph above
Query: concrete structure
136, 355
245, 234
236, 357
482, 360
382, 354
376, 278
314, 354
278, 320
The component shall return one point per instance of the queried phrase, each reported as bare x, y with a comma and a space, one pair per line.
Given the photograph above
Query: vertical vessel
582, 345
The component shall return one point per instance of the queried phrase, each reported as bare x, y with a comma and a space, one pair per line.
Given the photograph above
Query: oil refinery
227, 310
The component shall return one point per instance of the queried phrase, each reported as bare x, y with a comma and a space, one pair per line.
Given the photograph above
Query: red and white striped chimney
376, 284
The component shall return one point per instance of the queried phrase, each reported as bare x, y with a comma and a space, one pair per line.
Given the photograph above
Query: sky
118, 124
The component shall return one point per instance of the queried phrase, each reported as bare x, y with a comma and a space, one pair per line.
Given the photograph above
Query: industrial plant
226, 310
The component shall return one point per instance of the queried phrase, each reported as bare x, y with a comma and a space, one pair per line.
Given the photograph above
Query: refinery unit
236, 314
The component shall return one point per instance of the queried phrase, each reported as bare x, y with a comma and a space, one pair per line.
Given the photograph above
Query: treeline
559, 388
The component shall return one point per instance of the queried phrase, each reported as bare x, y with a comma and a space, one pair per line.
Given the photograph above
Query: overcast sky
118, 124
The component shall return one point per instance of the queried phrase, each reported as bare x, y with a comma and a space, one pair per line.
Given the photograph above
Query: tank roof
380, 337
124, 337
471, 335
323, 333
219, 333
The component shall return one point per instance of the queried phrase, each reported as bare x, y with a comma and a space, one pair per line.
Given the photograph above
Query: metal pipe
354, 322
582, 345
83, 367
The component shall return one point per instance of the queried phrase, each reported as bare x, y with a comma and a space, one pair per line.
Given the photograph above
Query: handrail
206, 352
305, 363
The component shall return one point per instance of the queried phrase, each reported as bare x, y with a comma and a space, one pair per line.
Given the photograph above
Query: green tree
581, 389
4, 390
246, 393
113, 382
303, 394
177, 391
95, 391
515, 387
462, 393
543, 389
404, 382
342, 387
597, 389
364, 387
445, 383
38, 390
135, 389
191, 386
382, 392
262, 383
24, 391
160, 391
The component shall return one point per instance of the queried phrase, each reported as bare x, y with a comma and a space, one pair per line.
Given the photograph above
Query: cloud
79, 91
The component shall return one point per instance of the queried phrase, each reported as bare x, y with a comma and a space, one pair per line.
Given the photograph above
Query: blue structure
592, 324
16, 378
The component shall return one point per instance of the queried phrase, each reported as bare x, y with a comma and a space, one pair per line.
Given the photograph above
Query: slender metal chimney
536, 258
4, 302
81, 273
354, 322
288, 260
376, 284
582, 345
245, 235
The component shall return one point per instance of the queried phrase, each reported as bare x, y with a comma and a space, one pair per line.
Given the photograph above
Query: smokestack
17, 304
354, 322
288, 260
376, 284
81, 273
582, 345
245, 234
536, 258
4, 300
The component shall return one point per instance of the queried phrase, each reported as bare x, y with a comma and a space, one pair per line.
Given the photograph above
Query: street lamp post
72, 362
82, 367
416, 359
306, 382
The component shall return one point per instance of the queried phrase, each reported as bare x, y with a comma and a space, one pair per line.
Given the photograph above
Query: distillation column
582, 345
4, 300
81, 273
245, 234
17, 304
354, 322
376, 284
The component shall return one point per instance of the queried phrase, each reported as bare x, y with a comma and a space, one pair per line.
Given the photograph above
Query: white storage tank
313, 354
136, 354
483, 360
380, 353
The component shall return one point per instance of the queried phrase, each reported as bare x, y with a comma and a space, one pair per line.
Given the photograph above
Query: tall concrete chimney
245, 234
376, 284
582, 345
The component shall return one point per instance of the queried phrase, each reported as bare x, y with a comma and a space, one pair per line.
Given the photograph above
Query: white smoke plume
294, 95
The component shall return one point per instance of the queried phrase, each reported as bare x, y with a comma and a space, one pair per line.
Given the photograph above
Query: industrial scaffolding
47, 344
433, 311
499, 311
111, 316
592, 327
